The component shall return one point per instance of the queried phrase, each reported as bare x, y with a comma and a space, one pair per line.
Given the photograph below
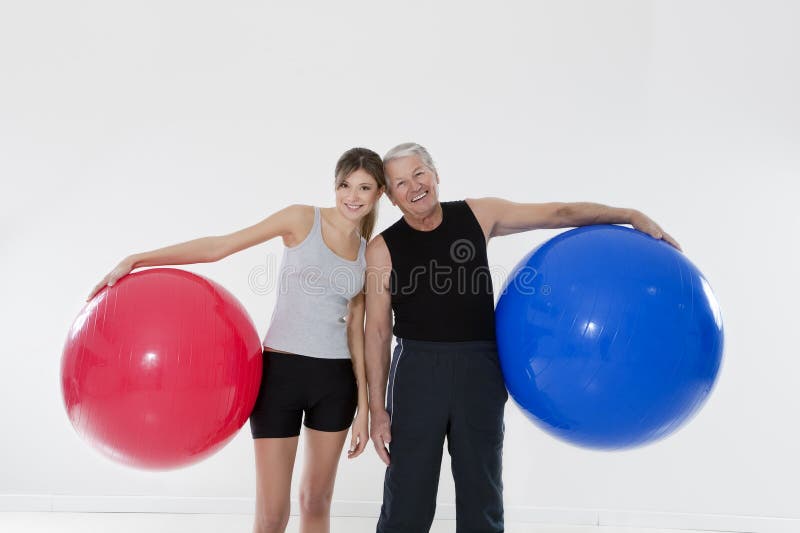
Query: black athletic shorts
291, 384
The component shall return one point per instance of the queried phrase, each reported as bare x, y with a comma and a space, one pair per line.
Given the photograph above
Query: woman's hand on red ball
122, 269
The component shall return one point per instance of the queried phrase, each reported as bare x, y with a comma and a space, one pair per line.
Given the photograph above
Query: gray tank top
314, 287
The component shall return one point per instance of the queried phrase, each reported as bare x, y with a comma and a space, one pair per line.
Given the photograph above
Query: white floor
211, 523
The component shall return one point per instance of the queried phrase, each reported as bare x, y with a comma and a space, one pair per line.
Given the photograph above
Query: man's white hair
409, 149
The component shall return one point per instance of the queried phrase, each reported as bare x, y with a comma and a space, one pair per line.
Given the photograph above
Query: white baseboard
707, 522
27, 503
151, 504
444, 511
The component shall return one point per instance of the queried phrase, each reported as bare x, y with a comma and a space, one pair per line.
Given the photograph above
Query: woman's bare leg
274, 465
322, 452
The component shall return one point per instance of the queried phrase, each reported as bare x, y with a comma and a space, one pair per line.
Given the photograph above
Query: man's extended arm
501, 217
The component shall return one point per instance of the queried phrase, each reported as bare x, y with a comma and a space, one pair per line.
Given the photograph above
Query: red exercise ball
161, 370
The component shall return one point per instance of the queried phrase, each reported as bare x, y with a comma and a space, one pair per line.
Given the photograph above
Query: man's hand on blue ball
645, 224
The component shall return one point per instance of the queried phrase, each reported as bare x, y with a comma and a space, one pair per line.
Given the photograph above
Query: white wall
128, 126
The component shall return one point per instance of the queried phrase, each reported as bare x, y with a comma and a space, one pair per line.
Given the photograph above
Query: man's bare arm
499, 217
377, 341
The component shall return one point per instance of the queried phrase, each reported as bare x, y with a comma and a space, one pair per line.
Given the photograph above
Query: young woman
313, 357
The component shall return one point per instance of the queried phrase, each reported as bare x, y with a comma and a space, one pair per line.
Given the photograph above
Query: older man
444, 380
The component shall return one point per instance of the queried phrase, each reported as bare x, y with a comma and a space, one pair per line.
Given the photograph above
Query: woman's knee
271, 522
315, 502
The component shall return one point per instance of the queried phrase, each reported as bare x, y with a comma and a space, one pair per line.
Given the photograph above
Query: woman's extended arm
209, 249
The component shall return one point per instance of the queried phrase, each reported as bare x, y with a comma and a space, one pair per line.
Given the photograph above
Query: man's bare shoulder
487, 211
486, 203
377, 253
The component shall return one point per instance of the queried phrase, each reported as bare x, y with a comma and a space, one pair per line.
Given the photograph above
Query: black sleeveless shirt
440, 282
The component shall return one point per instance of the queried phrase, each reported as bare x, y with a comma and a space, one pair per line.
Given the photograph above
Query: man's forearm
576, 214
377, 358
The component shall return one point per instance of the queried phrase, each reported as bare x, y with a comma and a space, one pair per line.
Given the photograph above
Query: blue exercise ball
608, 338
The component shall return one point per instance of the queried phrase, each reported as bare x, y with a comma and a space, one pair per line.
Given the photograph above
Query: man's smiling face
413, 187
